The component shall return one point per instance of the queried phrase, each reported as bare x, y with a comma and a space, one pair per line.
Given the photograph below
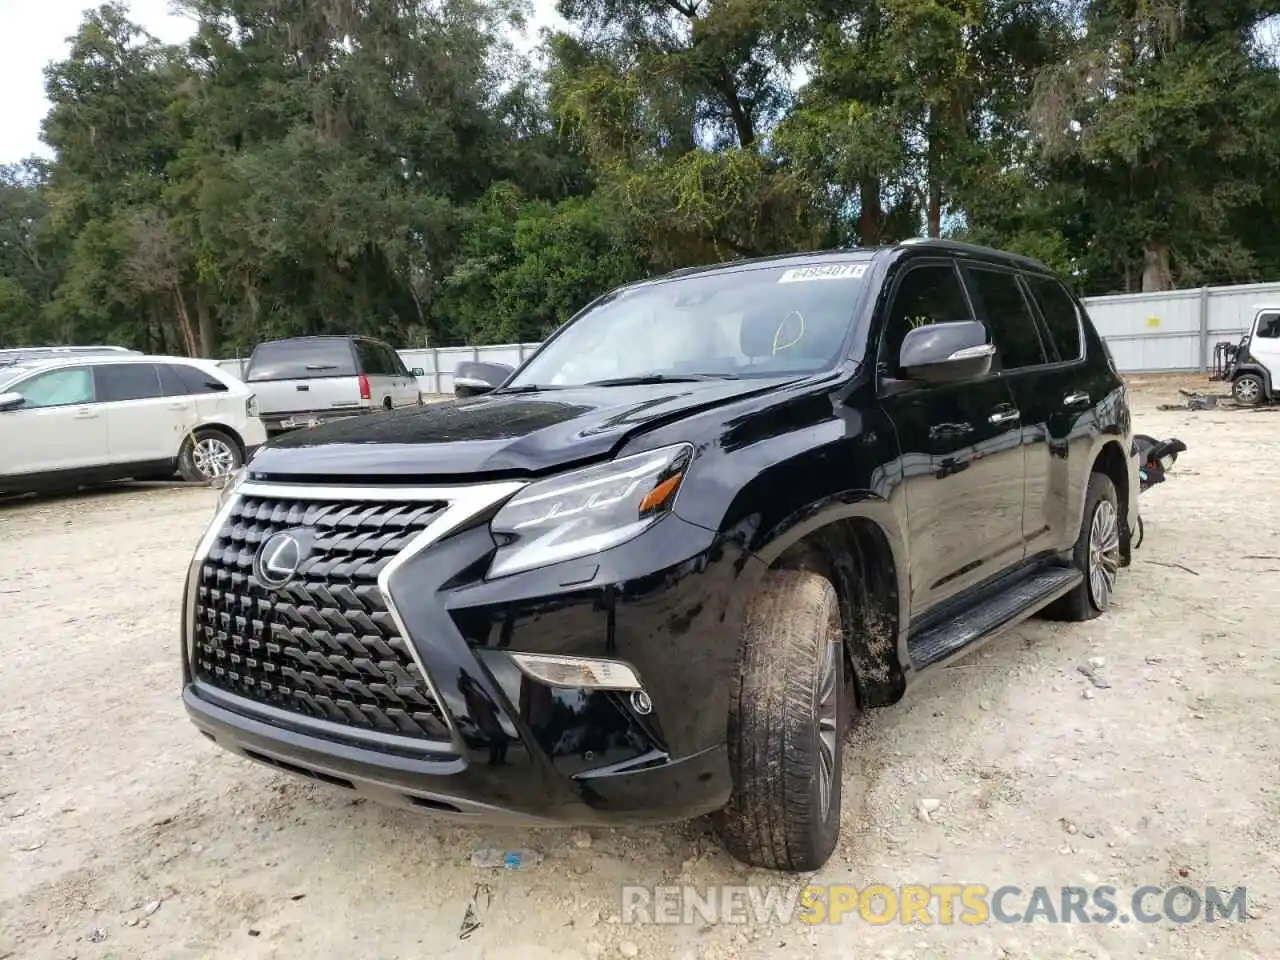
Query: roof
21, 368
807, 258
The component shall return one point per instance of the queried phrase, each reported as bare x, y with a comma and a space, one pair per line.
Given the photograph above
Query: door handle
1003, 416
84, 413
1077, 399
179, 406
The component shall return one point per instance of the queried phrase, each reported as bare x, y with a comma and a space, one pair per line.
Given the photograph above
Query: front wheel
208, 454
1096, 554
787, 720
1248, 389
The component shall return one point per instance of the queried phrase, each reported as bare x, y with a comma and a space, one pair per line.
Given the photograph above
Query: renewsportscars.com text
929, 904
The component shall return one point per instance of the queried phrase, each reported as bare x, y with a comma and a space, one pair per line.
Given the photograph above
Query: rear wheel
787, 721
1248, 389
1096, 554
208, 454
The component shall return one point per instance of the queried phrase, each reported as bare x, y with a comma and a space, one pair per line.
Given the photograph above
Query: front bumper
668, 603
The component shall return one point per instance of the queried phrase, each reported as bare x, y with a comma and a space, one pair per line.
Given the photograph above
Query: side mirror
11, 401
475, 377
418, 372
946, 352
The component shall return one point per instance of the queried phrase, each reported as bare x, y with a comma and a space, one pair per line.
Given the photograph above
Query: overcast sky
34, 32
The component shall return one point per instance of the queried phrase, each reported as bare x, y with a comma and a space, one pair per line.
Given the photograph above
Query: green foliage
394, 167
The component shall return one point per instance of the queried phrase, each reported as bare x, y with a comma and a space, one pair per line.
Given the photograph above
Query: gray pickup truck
306, 381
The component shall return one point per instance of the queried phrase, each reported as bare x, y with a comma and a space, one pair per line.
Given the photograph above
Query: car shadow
92, 493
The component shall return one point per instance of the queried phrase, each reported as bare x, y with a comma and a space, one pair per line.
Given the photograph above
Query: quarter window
1013, 327
373, 361
1060, 315
57, 388
182, 380
126, 381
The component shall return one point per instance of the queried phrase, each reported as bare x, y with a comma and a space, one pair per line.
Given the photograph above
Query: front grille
323, 645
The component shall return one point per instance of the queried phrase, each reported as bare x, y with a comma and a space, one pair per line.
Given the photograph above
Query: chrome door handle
1003, 416
1077, 399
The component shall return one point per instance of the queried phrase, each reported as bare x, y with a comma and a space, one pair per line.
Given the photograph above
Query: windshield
301, 360
9, 375
760, 322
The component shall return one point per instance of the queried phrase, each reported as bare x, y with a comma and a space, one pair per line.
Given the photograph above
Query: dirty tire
193, 467
1248, 389
784, 814
1086, 602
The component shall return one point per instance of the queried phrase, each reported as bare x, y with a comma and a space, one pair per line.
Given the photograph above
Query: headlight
227, 485
587, 511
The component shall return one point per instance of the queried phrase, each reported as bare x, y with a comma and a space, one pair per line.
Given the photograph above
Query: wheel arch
1257, 370
1111, 461
216, 426
857, 547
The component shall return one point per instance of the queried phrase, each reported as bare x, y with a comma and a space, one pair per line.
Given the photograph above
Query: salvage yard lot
123, 833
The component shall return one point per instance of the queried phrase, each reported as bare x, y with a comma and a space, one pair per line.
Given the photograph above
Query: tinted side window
373, 362
181, 380
397, 365
57, 388
927, 294
1269, 326
1060, 316
1005, 309
126, 381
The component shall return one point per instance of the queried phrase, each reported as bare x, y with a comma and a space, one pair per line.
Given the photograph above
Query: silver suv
305, 381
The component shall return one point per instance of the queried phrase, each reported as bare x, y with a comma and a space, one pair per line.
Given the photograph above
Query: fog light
581, 672
641, 703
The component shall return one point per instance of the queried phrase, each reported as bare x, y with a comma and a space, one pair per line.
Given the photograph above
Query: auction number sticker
834, 271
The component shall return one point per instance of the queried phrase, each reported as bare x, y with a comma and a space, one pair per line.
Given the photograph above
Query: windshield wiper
661, 378
528, 388
322, 366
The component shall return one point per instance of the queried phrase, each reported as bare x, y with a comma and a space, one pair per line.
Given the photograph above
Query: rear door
143, 425
378, 366
1043, 360
405, 383
58, 427
304, 376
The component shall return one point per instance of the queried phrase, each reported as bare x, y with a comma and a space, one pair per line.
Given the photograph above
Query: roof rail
959, 246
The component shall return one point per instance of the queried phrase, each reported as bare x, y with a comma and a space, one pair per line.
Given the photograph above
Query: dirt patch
110, 802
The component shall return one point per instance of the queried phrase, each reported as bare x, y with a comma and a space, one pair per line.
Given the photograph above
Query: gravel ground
125, 834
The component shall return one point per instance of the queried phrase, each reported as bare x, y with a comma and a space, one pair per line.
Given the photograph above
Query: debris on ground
1094, 675
481, 898
492, 857
1194, 401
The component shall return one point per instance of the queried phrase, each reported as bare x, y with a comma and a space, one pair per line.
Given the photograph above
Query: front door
1265, 345
58, 427
962, 456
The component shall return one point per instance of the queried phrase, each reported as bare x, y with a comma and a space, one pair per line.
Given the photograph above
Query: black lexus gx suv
654, 572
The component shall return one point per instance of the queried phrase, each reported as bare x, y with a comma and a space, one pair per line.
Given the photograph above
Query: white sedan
78, 420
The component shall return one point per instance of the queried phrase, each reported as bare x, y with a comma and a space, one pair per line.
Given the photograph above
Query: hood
505, 434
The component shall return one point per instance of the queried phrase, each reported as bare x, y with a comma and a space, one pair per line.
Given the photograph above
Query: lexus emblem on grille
278, 559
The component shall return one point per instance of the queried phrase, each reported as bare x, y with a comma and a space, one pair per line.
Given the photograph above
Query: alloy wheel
1104, 553
828, 721
213, 457
1246, 390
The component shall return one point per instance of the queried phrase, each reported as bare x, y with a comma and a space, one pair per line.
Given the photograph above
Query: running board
992, 614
